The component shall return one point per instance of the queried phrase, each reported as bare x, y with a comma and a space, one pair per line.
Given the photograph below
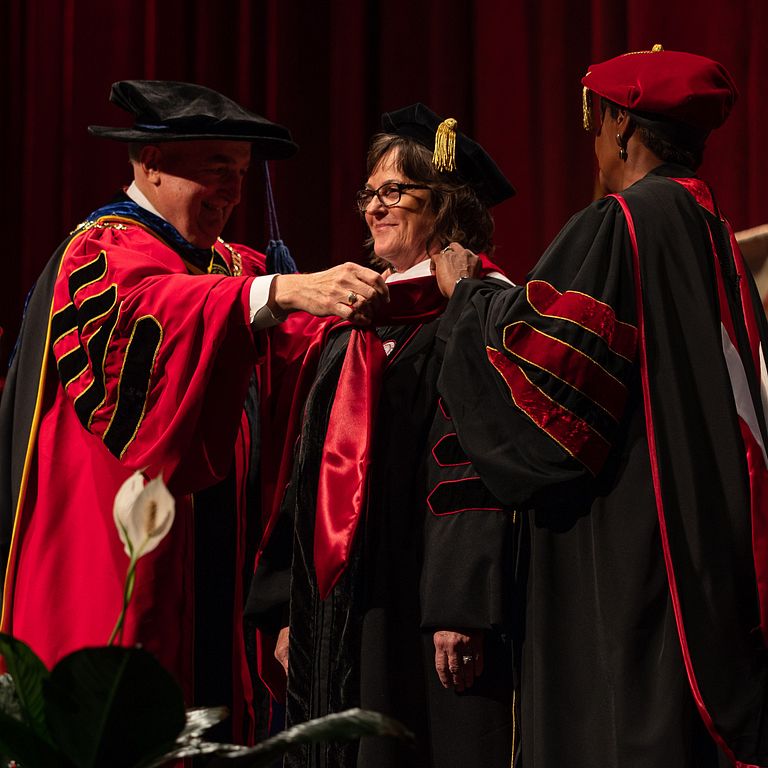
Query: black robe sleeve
466, 577
541, 418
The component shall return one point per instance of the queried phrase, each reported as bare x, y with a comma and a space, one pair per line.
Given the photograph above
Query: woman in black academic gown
621, 393
351, 530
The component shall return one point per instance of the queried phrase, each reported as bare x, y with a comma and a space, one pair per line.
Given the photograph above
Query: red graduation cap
664, 85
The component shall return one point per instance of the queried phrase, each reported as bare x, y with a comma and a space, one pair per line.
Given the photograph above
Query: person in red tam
618, 400
138, 352
344, 560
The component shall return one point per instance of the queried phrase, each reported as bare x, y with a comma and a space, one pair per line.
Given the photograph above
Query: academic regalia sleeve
466, 575
536, 377
155, 361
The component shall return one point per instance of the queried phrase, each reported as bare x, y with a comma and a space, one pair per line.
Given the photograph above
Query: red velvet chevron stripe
586, 311
567, 429
568, 364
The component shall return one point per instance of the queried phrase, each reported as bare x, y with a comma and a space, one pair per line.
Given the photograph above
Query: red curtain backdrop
508, 70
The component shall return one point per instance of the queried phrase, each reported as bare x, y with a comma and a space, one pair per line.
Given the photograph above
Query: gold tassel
586, 106
656, 48
444, 156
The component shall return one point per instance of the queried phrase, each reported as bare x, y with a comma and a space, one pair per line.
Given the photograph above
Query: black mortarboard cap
166, 110
452, 150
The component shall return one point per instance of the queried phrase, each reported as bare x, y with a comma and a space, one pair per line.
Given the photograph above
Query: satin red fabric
342, 487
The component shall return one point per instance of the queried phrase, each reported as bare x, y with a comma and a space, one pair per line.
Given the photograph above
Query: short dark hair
662, 147
460, 215
134, 150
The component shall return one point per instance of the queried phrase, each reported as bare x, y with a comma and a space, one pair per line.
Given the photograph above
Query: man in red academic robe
138, 352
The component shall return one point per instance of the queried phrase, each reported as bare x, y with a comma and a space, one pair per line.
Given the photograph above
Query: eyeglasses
389, 194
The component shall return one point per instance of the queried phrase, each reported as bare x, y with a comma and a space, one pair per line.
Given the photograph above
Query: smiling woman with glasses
380, 618
388, 194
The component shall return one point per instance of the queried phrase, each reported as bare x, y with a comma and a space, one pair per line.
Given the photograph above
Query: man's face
198, 185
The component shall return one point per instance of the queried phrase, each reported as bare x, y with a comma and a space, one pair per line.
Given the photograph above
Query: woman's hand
281, 648
452, 264
458, 658
346, 290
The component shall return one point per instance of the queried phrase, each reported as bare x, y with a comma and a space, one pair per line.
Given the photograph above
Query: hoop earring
622, 148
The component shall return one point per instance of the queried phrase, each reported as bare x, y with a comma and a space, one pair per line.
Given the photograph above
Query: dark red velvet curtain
508, 70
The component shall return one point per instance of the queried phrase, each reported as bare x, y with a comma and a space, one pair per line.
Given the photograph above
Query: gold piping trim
95, 280
27, 458
514, 727
120, 379
67, 332
575, 322
103, 314
87, 350
103, 366
565, 344
538, 426
586, 109
655, 48
78, 348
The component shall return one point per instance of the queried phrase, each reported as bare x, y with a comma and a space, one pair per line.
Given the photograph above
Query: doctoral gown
618, 399
126, 362
369, 642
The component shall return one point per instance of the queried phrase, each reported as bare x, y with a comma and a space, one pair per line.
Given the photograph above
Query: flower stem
130, 580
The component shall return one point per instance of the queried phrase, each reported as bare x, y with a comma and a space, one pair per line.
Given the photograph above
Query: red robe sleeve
155, 361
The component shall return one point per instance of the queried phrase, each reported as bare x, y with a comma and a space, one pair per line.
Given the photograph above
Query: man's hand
347, 290
452, 264
458, 658
281, 648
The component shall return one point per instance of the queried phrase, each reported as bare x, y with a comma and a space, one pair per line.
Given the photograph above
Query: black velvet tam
165, 110
473, 163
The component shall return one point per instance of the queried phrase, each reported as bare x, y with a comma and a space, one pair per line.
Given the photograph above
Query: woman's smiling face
400, 232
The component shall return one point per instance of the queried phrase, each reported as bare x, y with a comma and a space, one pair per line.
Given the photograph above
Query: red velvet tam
666, 86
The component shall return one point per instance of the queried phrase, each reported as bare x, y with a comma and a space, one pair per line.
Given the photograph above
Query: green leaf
199, 720
113, 707
18, 741
28, 673
342, 726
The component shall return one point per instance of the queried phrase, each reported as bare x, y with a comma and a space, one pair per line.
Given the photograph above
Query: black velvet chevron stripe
92, 397
133, 386
71, 365
63, 322
571, 399
448, 452
88, 273
589, 344
96, 306
464, 495
69, 318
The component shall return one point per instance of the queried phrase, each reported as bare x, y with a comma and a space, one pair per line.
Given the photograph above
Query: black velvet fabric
167, 110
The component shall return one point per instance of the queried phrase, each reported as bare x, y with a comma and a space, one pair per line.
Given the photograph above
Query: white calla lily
143, 514
124, 501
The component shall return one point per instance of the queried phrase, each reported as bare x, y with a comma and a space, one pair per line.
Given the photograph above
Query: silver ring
467, 659
352, 298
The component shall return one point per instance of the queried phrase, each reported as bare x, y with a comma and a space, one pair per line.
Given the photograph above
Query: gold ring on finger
352, 298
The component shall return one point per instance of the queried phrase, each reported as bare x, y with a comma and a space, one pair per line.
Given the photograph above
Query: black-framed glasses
389, 194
